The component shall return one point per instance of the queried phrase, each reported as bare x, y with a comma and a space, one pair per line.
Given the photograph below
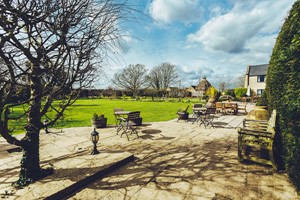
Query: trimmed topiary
283, 90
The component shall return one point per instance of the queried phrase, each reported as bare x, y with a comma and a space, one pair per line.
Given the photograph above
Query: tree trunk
30, 162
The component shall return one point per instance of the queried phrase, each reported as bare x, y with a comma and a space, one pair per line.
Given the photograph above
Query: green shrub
283, 90
211, 92
240, 92
230, 92
263, 100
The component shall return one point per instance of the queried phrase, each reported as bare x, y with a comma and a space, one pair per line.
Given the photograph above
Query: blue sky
212, 38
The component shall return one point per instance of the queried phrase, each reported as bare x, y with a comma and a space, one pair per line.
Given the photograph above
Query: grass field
81, 112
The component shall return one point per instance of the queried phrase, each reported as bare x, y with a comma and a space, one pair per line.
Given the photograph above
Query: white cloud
191, 75
216, 10
231, 31
167, 11
245, 28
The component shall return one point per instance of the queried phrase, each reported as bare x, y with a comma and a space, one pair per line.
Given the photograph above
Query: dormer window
261, 78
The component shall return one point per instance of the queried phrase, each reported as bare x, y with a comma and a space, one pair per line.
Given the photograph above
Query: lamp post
95, 139
45, 123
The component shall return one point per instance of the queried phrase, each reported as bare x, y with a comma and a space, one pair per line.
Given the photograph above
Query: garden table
119, 114
124, 112
198, 112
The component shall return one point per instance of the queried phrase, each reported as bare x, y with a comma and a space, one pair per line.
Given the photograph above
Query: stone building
255, 78
200, 89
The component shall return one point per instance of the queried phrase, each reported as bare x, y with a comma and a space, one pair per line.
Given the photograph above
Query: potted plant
99, 121
183, 114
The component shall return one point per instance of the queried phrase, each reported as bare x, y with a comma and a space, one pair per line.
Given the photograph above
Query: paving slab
73, 165
71, 174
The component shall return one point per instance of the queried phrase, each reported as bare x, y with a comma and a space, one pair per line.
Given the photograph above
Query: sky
213, 38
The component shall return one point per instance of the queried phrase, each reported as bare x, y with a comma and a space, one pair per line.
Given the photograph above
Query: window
261, 78
259, 92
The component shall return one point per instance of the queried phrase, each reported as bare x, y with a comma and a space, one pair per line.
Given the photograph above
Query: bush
283, 90
230, 92
240, 92
211, 92
263, 100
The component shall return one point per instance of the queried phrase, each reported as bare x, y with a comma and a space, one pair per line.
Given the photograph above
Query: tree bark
30, 167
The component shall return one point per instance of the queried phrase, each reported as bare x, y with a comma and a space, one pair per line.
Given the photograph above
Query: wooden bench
242, 106
256, 138
219, 107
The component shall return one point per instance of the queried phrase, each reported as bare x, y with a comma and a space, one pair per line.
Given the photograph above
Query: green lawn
81, 112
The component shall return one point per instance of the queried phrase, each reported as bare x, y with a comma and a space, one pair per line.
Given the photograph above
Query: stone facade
255, 78
200, 89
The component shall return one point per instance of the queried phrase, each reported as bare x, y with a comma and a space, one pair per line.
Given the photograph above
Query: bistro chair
195, 111
208, 117
117, 116
128, 124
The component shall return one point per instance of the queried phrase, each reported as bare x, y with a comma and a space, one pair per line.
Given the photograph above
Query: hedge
283, 90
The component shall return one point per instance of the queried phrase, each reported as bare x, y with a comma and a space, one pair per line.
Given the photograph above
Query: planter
259, 113
99, 123
183, 115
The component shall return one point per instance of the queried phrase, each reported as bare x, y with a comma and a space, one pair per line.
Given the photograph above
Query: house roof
169, 89
255, 70
203, 85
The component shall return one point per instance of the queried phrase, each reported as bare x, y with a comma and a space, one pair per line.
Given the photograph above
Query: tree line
135, 77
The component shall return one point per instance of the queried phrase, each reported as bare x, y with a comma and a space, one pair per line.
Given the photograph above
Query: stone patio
172, 160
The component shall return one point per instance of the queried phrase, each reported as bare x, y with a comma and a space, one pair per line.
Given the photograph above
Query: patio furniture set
205, 114
127, 121
255, 137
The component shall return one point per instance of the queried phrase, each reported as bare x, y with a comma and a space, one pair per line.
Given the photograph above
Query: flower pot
183, 115
259, 113
99, 123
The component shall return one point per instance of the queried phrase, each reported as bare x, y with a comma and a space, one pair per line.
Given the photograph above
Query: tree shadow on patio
209, 167
152, 134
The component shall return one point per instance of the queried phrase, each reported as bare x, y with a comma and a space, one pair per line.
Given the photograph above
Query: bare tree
169, 75
240, 81
154, 78
132, 78
163, 76
222, 86
51, 48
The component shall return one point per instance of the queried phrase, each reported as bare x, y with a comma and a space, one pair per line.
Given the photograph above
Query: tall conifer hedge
283, 90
